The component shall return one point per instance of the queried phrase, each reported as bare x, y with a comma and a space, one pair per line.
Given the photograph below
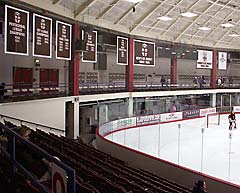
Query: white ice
214, 151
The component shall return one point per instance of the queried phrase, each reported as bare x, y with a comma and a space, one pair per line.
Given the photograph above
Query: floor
214, 150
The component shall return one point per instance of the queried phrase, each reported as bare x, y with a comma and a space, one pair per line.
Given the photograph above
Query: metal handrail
15, 136
32, 123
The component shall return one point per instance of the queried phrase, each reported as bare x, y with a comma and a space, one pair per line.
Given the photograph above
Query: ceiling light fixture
164, 18
188, 14
204, 28
234, 35
227, 25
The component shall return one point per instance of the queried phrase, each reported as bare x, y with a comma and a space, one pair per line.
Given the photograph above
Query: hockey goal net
213, 119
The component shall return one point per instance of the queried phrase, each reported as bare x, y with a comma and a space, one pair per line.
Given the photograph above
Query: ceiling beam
226, 33
146, 16
83, 7
55, 1
100, 15
127, 12
212, 31
193, 22
167, 13
178, 18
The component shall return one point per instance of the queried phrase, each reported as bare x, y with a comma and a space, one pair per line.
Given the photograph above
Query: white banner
222, 60
204, 59
171, 116
148, 119
236, 108
204, 112
124, 123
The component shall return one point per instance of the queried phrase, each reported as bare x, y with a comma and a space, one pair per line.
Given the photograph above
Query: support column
214, 70
76, 61
129, 67
174, 69
130, 106
76, 119
213, 100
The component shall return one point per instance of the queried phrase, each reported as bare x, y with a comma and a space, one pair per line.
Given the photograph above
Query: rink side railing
158, 166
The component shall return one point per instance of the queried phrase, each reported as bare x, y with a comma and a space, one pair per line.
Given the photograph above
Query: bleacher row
97, 172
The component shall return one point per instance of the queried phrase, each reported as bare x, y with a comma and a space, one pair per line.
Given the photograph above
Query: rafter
194, 21
146, 16
83, 7
127, 12
107, 9
227, 16
226, 33
178, 18
167, 13
55, 1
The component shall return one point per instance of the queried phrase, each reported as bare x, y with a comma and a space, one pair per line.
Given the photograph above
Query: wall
8, 61
50, 112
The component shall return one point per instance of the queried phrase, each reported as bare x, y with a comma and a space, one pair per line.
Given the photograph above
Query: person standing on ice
232, 120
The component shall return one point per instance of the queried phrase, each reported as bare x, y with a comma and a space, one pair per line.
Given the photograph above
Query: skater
232, 120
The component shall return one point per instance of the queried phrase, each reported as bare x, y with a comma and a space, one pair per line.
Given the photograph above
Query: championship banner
90, 52
42, 36
144, 53
205, 59
148, 119
16, 31
63, 40
122, 50
222, 60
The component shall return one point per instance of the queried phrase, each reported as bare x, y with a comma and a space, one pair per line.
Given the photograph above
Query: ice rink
214, 150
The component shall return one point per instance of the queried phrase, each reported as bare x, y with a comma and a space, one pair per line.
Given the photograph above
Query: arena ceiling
143, 18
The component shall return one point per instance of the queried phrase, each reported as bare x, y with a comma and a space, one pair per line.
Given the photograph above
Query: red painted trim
129, 67
214, 70
173, 69
76, 61
165, 161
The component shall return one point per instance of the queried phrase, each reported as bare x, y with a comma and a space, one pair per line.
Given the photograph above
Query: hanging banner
204, 59
63, 40
222, 60
42, 36
122, 50
16, 31
144, 53
90, 40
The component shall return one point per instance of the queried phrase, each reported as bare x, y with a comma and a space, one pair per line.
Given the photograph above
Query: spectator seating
98, 172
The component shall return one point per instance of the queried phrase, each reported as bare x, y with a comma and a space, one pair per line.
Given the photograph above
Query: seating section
98, 172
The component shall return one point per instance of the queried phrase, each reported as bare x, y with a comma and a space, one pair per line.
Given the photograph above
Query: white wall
50, 112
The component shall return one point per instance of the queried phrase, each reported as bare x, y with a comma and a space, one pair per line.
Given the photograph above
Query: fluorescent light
188, 14
135, 1
165, 18
204, 28
227, 25
234, 35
